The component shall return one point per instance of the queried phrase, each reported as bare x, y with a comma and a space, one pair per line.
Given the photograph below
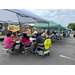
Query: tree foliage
71, 26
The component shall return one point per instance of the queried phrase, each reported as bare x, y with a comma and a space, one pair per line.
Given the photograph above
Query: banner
13, 28
26, 29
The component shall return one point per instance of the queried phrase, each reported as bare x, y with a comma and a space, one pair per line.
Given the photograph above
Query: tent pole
59, 35
48, 28
62, 34
19, 21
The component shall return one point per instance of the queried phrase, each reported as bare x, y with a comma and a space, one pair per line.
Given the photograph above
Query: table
31, 39
17, 44
18, 41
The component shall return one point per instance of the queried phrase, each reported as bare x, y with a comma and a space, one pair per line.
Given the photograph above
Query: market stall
19, 16
52, 25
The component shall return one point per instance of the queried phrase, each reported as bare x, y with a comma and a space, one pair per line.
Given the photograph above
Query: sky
60, 16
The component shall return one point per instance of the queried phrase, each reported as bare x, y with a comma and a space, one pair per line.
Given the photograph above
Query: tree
71, 26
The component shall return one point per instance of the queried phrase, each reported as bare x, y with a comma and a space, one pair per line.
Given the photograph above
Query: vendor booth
19, 17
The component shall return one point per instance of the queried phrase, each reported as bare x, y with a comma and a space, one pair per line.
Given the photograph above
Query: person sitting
25, 39
18, 36
35, 35
22, 34
14, 36
48, 32
18, 40
8, 40
44, 35
39, 39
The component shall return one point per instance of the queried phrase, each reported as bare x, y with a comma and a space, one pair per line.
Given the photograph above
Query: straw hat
35, 32
24, 32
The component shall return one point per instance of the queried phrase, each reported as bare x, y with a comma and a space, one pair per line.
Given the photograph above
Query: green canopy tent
51, 25
67, 30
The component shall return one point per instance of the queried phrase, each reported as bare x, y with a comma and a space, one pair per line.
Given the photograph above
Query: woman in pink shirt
24, 40
8, 40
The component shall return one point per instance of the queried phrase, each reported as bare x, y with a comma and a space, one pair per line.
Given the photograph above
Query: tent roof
52, 25
45, 25
67, 29
20, 15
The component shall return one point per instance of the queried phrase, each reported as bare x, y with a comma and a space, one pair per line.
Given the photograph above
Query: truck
10, 28
3, 30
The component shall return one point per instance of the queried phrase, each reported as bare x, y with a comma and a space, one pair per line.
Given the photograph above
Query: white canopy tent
20, 16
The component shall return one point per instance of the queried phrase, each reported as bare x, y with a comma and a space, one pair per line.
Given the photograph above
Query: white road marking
68, 46
66, 57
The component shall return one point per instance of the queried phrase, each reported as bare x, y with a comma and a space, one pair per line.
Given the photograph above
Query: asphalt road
63, 55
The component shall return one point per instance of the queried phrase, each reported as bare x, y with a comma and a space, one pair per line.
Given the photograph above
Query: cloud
60, 16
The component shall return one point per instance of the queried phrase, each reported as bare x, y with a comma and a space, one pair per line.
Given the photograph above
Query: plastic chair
27, 48
6, 50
